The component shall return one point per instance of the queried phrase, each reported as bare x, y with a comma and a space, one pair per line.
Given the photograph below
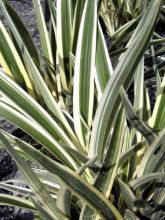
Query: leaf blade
83, 93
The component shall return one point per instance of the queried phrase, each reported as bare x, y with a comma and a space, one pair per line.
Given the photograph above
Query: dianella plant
83, 96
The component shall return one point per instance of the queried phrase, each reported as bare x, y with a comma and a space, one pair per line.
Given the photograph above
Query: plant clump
84, 98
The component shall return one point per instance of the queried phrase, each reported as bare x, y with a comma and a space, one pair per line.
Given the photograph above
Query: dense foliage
104, 153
